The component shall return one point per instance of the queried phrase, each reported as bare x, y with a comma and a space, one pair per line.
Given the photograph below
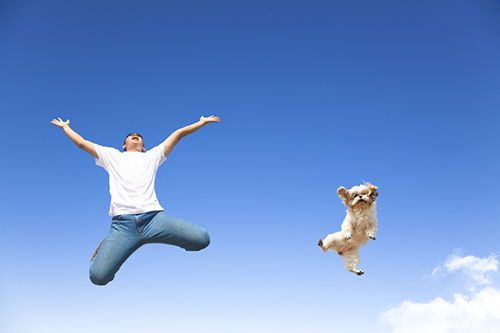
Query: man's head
134, 142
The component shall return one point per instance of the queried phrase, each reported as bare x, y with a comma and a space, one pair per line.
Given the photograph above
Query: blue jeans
130, 232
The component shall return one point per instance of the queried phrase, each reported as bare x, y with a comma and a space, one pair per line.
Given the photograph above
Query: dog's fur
359, 226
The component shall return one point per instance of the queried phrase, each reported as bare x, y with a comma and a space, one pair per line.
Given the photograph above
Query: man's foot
97, 250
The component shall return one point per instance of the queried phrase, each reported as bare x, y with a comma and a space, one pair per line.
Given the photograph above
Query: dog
359, 226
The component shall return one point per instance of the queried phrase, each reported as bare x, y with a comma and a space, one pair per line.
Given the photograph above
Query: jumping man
137, 217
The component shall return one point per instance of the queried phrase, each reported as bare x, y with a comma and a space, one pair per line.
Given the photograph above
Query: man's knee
100, 279
202, 242
206, 240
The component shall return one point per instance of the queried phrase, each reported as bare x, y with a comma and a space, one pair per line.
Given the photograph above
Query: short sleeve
159, 153
104, 154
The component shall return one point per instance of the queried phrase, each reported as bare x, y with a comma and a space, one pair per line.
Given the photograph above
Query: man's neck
134, 150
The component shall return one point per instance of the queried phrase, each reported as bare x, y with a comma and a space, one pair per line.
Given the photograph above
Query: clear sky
312, 95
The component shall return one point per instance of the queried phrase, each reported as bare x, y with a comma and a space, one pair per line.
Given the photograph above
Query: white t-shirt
131, 178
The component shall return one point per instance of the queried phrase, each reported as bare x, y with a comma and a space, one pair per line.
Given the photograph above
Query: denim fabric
129, 232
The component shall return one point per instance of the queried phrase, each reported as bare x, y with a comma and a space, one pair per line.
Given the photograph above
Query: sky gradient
312, 95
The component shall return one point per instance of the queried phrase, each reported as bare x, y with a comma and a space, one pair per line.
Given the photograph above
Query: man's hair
130, 134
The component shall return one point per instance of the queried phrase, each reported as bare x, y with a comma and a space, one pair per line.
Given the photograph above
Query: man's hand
75, 137
211, 119
59, 123
175, 137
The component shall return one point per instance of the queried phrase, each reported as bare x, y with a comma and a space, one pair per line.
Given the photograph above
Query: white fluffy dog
359, 226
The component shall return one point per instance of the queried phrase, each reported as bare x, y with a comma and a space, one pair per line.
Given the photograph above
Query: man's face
134, 142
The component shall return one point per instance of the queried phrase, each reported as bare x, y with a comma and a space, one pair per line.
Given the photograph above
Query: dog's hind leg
321, 245
331, 242
351, 261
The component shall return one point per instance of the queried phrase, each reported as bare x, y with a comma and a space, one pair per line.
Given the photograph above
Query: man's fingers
212, 118
59, 122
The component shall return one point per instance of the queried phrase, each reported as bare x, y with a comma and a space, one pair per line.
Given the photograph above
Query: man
137, 216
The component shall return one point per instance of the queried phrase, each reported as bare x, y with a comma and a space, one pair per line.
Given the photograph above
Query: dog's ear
373, 190
344, 195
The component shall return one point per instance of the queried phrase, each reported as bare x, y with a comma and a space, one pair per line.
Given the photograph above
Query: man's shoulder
155, 149
98, 146
103, 151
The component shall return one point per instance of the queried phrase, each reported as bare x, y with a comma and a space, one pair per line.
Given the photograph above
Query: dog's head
362, 195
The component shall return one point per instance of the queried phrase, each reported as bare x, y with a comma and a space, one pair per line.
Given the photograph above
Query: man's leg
122, 240
97, 250
170, 230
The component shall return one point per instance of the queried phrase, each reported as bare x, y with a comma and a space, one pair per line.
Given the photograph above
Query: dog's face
362, 195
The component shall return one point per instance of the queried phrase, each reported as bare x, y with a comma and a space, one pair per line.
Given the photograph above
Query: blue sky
312, 95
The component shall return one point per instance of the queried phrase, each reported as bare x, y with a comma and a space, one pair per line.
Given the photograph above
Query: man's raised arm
75, 137
175, 137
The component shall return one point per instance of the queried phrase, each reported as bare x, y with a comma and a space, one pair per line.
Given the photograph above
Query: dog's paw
320, 243
358, 272
371, 236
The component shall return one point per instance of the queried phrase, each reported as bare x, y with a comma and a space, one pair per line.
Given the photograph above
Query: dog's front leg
347, 229
372, 230
347, 234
